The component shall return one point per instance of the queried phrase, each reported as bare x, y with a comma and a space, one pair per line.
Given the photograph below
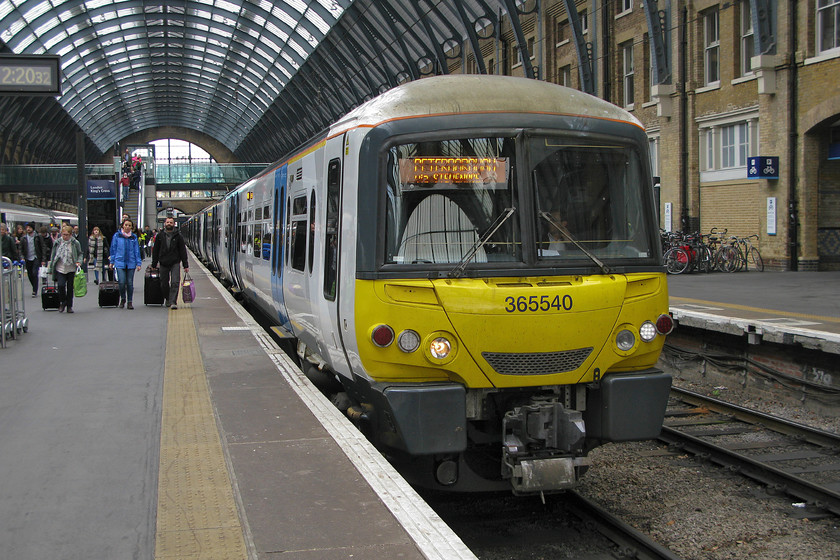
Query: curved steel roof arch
259, 76
112, 50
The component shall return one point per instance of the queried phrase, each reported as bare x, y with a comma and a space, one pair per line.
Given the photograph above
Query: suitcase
152, 292
49, 296
109, 294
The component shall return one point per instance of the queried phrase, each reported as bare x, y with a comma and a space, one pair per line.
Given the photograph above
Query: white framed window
726, 141
734, 145
747, 39
627, 71
828, 26
711, 43
584, 21
625, 6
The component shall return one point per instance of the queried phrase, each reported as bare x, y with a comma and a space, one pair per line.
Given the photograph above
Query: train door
236, 243
277, 252
326, 291
295, 278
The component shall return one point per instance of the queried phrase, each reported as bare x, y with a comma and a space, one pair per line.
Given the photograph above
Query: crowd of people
59, 250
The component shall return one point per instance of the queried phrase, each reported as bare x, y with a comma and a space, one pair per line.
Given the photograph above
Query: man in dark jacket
7, 244
170, 251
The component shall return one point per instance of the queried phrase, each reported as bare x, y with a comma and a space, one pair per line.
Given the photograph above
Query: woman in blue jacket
125, 258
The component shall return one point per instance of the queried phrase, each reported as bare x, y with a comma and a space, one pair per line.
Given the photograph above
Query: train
470, 267
16, 214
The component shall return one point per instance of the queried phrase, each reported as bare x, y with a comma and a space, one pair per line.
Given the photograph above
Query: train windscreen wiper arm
562, 229
479, 243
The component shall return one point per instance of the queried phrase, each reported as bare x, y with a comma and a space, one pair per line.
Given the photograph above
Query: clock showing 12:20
29, 74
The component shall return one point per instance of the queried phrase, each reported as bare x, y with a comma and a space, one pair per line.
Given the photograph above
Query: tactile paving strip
196, 516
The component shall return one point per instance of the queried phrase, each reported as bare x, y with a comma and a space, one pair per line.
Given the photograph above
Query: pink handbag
188, 289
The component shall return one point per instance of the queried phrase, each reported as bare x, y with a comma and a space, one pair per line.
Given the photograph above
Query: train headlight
647, 331
408, 341
625, 340
382, 335
440, 348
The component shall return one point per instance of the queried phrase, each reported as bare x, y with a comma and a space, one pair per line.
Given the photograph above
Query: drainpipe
683, 81
793, 139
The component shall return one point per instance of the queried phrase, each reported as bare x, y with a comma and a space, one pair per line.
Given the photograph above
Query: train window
331, 229
589, 200
298, 236
257, 240
442, 196
266, 243
258, 215
266, 212
311, 230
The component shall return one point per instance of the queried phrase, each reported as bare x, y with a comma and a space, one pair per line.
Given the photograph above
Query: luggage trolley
8, 308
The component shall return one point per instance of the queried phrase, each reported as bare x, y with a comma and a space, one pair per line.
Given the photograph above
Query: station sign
101, 189
763, 167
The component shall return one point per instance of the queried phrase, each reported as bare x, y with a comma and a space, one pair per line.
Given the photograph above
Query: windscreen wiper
479, 243
565, 232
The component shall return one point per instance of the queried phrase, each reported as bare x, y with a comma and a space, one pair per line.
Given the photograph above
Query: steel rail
633, 543
777, 479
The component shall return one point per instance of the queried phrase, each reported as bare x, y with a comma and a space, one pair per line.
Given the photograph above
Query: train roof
470, 93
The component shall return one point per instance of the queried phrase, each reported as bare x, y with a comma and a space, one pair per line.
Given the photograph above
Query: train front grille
536, 363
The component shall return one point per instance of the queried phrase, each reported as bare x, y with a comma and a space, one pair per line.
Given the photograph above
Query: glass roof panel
130, 64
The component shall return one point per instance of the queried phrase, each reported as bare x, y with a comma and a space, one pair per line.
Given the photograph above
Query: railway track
788, 457
506, 527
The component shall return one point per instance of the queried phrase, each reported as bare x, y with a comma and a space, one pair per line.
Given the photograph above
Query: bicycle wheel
704, 259
726, 259
756, 259
676, 260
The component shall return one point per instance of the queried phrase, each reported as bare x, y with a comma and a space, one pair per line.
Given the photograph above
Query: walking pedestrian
97, 253
66, 259
170, 251
29, 253
125, 259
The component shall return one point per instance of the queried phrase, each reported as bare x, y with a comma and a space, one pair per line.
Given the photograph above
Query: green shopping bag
80, 283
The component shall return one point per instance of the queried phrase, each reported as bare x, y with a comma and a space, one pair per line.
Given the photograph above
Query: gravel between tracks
701, 511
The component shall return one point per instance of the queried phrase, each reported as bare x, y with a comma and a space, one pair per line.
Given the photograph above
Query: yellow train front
501, 298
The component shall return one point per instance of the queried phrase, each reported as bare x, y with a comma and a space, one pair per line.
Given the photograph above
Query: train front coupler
542, 443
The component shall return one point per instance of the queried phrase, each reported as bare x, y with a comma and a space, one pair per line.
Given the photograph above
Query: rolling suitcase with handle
49, 295
152, 292
109, 294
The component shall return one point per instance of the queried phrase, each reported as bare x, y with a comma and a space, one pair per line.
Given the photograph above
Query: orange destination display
453, 170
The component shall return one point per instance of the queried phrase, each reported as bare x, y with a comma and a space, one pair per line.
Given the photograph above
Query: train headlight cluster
438, 347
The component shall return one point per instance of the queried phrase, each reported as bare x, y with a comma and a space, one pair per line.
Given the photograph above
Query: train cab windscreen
457, 200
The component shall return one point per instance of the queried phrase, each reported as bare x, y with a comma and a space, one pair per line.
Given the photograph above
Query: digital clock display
453, 171
29, 74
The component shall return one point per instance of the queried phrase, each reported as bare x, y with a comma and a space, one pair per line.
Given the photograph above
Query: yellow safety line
197, 515
677, 300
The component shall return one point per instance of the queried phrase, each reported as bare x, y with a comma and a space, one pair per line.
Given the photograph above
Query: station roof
259, 76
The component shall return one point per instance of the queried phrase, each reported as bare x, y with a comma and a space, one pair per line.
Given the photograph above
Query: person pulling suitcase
125, 259
170, 251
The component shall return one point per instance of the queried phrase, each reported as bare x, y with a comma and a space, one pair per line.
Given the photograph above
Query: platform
187, 433
801, 308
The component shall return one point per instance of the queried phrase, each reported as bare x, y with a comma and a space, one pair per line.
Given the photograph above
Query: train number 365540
532, 304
